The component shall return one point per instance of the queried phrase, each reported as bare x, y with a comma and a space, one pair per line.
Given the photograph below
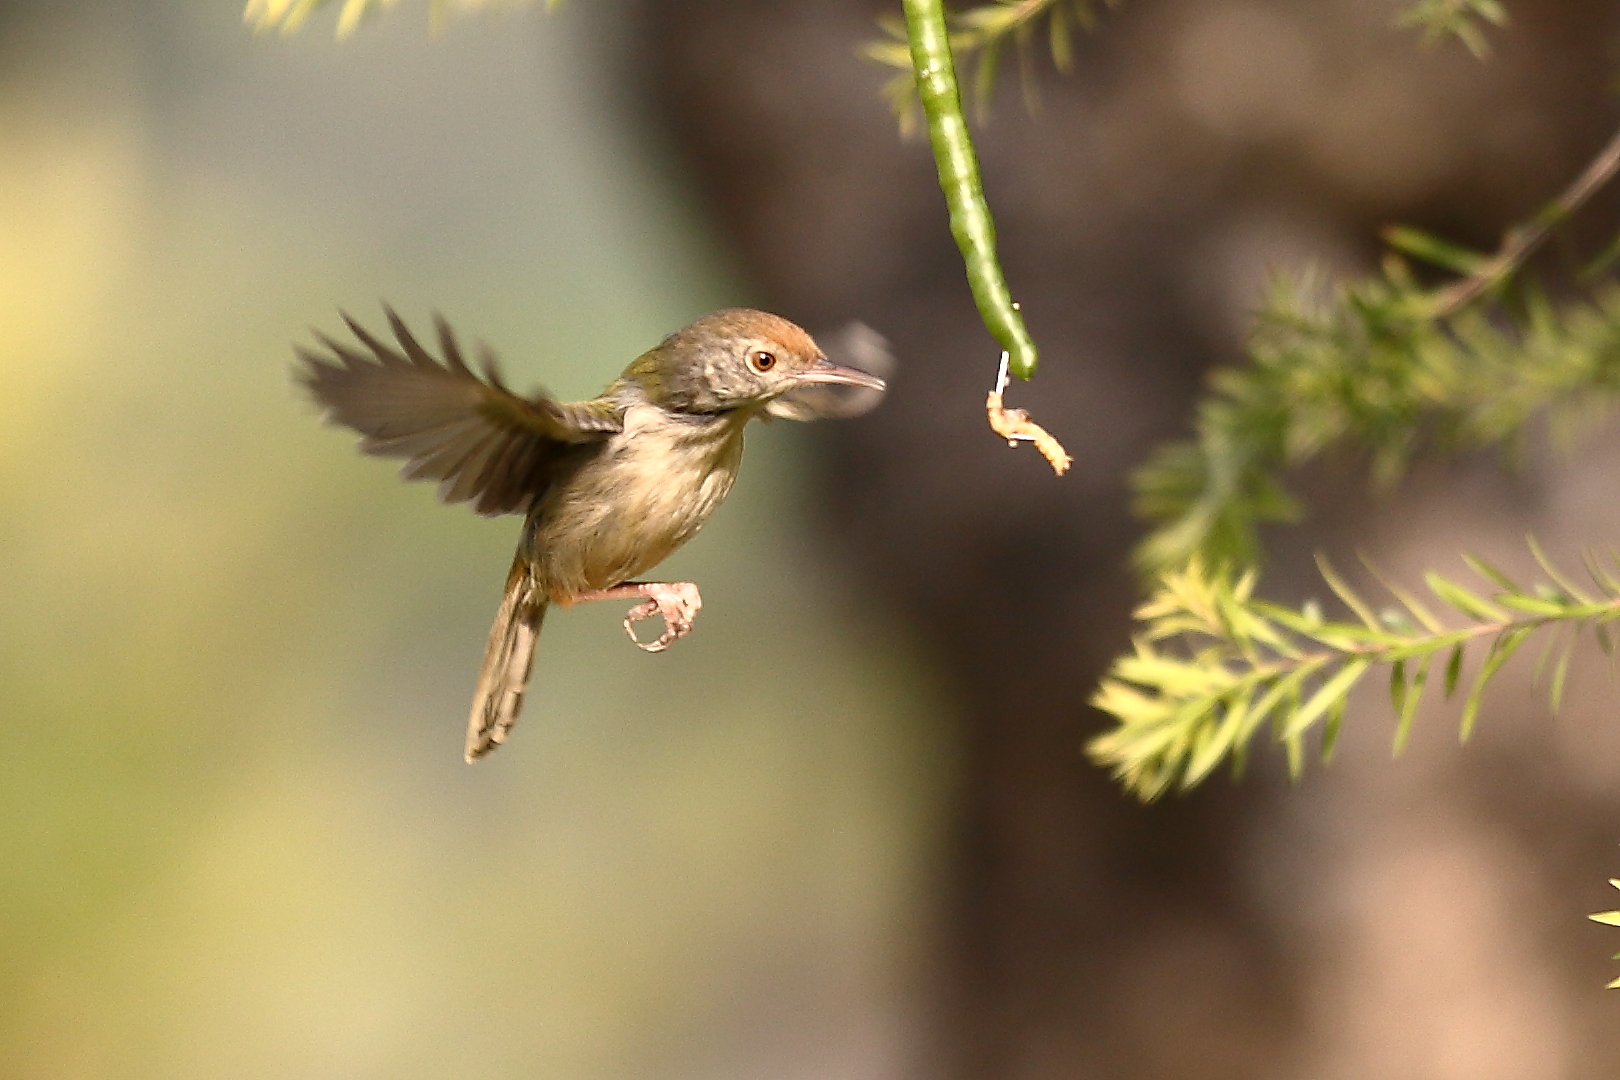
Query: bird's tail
507, 660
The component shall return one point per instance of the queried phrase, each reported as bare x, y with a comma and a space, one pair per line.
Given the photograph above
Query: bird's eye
761, 361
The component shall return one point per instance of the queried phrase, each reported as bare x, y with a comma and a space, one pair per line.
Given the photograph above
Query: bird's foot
678, 602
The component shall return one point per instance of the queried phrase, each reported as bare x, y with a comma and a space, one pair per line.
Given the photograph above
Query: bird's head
737, 359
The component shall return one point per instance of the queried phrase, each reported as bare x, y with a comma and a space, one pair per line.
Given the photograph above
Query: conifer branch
1388, 367
1520, 243
1241, 664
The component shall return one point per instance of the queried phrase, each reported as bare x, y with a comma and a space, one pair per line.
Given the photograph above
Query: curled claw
678, 603
646, 611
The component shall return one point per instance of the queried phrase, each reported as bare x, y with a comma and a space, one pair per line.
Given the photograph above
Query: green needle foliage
1386, 366
1461, 19
978, 37
1610, 918
1214, 665
1368, 367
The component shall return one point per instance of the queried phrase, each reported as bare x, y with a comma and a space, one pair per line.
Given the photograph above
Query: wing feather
482, 442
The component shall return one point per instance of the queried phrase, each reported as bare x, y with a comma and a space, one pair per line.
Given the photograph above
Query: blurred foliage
1389, 367
1363, 365
1385, 364
979, 37
1236, 664
288, 16
1610, 918
981, 34
1461, 19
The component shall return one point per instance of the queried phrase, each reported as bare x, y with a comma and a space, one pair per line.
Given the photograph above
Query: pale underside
629, 505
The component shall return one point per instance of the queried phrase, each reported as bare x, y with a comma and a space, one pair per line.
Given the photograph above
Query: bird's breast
629, 507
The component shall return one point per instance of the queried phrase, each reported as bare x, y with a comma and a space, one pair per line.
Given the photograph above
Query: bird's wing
482, 442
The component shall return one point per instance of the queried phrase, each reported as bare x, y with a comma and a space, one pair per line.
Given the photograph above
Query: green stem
1522, 241
958, 168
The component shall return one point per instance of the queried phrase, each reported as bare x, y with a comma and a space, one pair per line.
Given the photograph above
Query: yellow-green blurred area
237, 838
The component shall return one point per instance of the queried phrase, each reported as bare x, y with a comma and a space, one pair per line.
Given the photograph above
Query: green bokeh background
236, 835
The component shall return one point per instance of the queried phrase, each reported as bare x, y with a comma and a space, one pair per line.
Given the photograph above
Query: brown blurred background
1419, 920
846, 830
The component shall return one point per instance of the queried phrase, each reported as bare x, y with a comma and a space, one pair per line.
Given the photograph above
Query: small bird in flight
610, 487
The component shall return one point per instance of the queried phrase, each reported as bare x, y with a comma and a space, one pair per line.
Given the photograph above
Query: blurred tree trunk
1197, 143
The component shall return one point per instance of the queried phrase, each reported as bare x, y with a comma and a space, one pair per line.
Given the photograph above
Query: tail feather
507, 660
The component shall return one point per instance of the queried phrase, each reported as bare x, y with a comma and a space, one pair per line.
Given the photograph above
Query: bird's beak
837, 375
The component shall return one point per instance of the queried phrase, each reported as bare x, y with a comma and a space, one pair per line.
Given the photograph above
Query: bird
608, 487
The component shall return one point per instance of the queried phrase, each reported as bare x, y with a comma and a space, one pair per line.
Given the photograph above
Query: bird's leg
677, 601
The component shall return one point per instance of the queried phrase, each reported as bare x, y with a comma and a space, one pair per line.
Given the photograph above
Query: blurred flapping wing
858, 346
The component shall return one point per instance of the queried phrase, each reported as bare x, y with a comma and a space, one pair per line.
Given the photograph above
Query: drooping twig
1522, 241
958, 168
